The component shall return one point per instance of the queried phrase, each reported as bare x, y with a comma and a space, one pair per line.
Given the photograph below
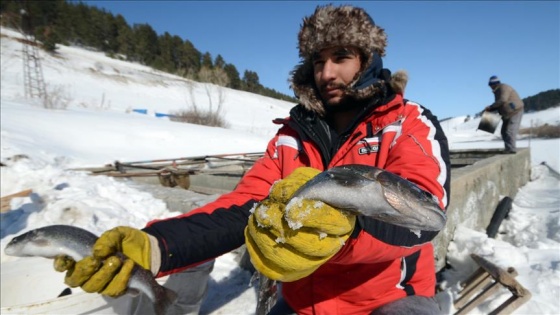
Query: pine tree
189, 59
219, 62
145, 43
125, 44
251, 81
207, 60
165, 59
233, 75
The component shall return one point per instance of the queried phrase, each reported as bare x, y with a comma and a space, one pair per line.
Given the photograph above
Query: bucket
489, 121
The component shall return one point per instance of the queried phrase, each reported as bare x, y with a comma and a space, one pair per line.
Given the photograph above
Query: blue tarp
163, 115
140, 111
145, 112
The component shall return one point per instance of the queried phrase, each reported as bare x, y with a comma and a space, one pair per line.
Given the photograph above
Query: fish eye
428, 195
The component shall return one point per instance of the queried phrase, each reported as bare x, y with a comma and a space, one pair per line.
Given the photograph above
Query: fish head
51, 241
421, 208
27, 244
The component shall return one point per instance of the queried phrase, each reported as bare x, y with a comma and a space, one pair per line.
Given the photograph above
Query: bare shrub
544, 131
205, 74
56, 97
101, 104
213, 116
217, 76
199, 117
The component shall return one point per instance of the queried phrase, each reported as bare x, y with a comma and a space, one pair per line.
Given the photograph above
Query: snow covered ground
99, 126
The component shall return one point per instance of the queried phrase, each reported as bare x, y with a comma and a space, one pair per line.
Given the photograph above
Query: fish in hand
376, 193
77, 243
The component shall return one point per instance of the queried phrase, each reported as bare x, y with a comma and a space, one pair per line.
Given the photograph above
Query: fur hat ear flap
303, 85
399, 80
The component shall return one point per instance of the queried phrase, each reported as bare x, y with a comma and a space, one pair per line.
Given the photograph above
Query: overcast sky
449, 48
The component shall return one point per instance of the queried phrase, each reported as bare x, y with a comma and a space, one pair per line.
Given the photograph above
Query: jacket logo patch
368, 145
372, 148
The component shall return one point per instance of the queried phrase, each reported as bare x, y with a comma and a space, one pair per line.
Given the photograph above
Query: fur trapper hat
340, 26
331, 26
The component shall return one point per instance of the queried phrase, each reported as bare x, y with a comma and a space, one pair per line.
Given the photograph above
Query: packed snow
99, 125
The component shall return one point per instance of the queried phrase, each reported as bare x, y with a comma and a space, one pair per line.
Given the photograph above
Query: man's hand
105, 272
289, 242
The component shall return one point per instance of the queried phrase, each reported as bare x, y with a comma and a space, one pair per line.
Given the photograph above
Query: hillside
101, 83
542, 100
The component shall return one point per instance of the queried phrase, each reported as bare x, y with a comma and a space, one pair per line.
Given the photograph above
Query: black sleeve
392, 234
192, 239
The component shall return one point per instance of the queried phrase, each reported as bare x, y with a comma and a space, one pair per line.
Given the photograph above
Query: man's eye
342, 58
318, 62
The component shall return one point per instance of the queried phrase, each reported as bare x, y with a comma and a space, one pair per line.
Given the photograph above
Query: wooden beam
484, 283
6, 200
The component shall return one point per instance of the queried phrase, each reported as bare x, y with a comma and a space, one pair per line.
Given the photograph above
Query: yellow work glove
104, 272
289, 242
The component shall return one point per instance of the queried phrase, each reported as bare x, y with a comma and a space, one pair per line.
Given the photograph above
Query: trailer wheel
501, 212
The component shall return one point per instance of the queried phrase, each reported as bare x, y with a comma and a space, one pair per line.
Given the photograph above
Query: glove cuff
155, 259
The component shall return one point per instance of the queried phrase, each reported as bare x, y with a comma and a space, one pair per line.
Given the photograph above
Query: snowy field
99, 126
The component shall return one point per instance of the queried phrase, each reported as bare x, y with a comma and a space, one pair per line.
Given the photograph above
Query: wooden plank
489, 277
471, 289
5, 201
501, 276
486, 293
513, 303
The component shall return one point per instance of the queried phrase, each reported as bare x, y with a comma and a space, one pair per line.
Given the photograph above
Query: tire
501, 212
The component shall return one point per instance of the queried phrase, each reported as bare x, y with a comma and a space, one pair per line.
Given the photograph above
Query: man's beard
346, 104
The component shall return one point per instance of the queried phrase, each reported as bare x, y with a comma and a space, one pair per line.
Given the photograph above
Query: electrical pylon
34, 82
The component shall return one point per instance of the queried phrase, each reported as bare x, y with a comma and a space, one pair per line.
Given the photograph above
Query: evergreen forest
542, 100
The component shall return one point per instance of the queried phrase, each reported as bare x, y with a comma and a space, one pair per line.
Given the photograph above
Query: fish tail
165, 297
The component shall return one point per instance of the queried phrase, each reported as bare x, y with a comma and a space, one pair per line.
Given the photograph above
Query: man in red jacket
350, 111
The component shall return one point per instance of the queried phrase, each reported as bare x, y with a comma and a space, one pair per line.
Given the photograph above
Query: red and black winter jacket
380, 262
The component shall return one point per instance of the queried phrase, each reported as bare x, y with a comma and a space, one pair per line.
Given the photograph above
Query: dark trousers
414, 304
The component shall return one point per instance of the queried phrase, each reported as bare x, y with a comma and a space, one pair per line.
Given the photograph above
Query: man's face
334, 68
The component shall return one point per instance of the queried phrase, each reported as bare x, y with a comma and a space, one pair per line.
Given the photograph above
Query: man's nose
329, 71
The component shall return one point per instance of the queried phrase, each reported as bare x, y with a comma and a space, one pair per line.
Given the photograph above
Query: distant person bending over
510, 107
351, 111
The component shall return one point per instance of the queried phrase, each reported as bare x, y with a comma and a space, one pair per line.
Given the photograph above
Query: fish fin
165, 297
342, 176
65, 292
